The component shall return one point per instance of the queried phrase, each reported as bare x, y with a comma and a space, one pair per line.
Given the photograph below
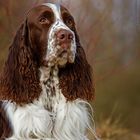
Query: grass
110, 129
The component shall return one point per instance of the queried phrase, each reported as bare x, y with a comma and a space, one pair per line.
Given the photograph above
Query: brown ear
19, 81
76, 79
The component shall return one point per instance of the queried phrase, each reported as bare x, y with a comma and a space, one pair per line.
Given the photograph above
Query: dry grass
109, 129
113, 130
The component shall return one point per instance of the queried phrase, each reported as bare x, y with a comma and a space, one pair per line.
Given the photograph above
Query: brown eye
44, 20
69, 22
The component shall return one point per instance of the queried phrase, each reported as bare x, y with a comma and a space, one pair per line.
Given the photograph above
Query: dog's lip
65, 45
63, 52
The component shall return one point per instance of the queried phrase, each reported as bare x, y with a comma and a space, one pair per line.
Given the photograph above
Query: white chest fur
51, 117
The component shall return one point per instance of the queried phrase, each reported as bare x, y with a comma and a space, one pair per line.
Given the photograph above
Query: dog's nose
64, 36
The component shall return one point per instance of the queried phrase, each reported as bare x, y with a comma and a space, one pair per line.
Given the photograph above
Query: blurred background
109, 32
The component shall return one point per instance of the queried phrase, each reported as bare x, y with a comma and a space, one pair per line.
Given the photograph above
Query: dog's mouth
64, 57
60, 55
61, 58
63, 53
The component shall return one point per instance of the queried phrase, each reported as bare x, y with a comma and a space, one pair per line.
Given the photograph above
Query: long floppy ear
19, 81
76, 79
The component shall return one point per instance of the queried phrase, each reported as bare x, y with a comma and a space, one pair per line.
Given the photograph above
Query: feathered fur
19, 80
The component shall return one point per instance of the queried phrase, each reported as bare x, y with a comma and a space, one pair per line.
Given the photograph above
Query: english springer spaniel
46, 82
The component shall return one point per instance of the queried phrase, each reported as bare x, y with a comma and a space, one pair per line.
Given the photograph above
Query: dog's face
52, 32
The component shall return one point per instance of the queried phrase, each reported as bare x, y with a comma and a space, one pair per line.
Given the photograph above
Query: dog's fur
44, 88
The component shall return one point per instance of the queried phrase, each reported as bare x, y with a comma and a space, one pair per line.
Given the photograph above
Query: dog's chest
51, 116
37, 120
51, 93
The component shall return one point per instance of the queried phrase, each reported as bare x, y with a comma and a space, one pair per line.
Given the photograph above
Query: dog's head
52, 34
47, 38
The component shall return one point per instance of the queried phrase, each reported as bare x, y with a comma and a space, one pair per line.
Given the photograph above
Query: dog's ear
76, 79
19, 81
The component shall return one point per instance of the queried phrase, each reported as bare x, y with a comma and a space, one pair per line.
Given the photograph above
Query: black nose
64, 36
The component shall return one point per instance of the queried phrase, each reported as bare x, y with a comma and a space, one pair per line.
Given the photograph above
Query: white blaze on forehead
56, 9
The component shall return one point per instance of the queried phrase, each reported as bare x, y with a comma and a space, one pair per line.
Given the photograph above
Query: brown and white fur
46, 82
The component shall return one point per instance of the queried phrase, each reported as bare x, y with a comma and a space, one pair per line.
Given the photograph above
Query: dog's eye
44, 20
69, 22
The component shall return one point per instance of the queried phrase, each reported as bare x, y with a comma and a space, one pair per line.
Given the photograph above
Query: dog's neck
47, 73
